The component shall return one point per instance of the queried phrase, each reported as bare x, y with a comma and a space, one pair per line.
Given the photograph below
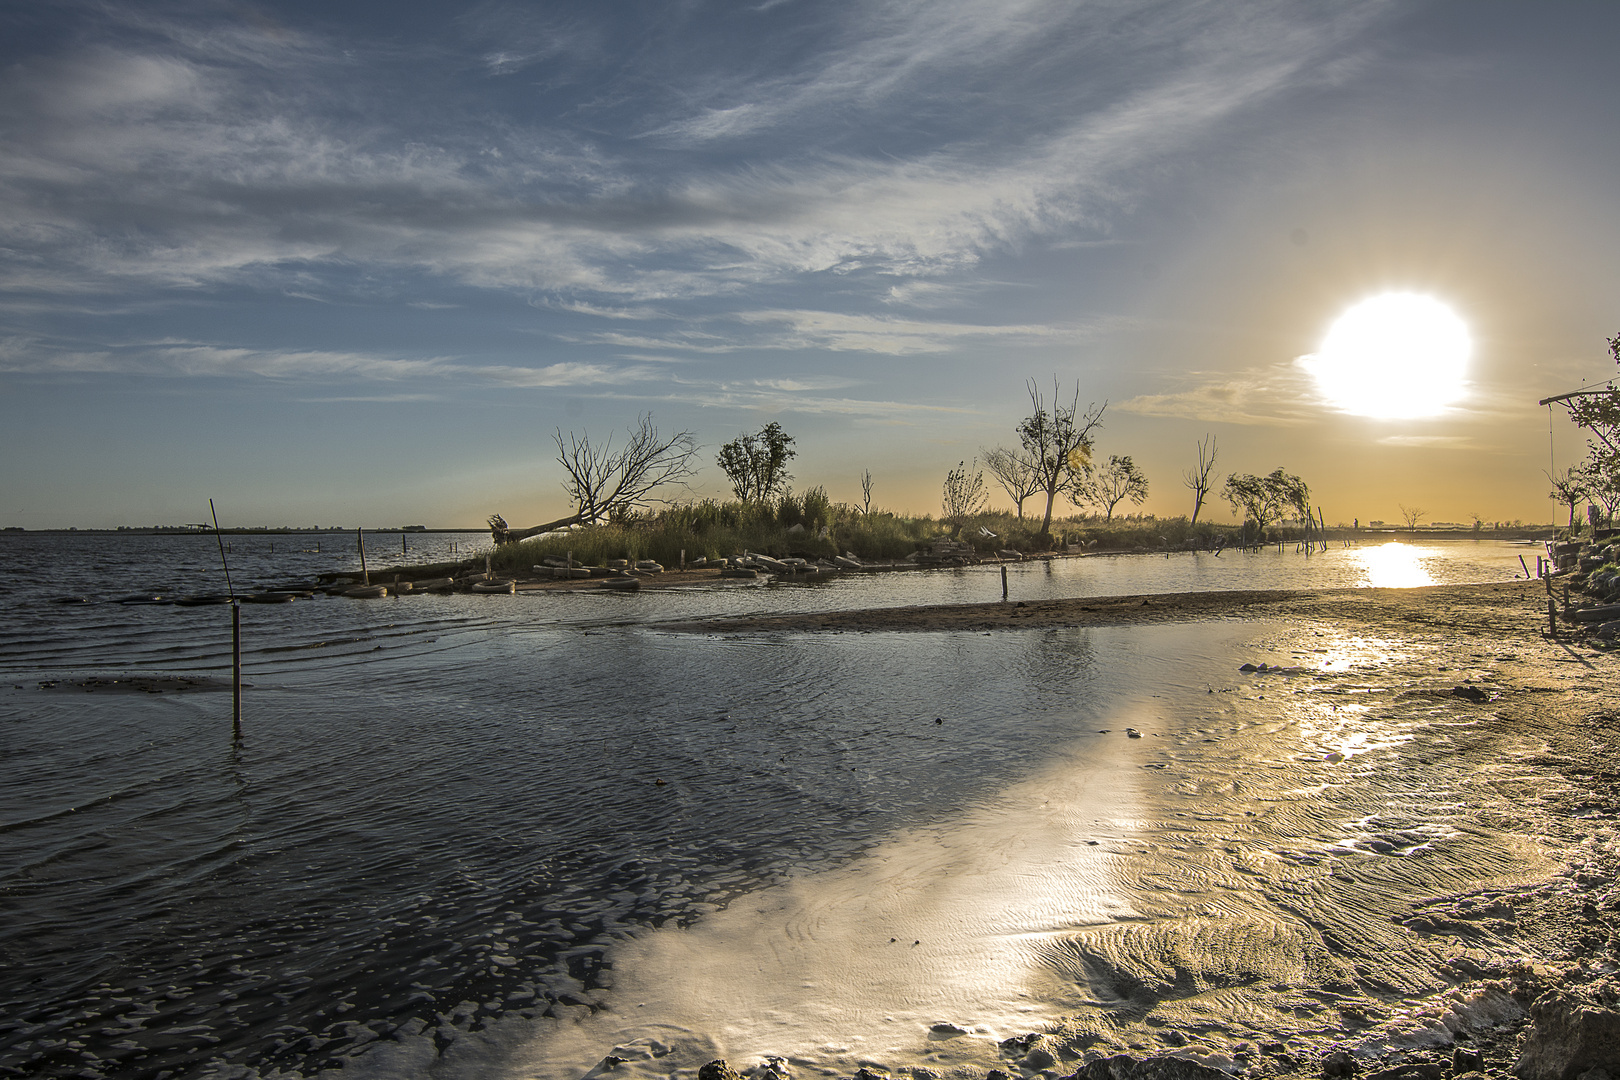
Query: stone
1422, 1070
1339, 1063
1038, 1059
1125, 1067
1465, 1060
1569, 1035
718, 1070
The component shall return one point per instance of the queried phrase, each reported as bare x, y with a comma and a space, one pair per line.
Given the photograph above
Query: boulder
718, 1070
1570, 1034
1338, 1063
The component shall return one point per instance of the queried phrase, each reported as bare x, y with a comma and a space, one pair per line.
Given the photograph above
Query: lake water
509, 835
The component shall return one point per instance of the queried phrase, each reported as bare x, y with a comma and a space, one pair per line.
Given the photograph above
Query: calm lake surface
453, 818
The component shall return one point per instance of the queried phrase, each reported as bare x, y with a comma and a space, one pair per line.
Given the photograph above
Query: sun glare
1394, 356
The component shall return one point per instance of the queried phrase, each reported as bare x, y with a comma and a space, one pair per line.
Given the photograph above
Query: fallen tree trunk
505, 535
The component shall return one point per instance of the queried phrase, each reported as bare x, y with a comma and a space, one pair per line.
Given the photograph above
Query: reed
810, 525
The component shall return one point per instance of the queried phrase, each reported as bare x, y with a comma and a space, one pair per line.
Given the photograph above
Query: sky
357, 264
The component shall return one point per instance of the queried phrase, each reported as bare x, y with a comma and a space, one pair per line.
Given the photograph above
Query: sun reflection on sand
937, 924
1396, 566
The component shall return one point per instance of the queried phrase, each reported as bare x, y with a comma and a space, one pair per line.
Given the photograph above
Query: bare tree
1015, 473
964, 494
1109, 484
1057, 444
604, 482
1413, 514
866, 493
1198, 478
756, 464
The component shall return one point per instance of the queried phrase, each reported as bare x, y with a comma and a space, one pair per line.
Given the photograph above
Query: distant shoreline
271, 531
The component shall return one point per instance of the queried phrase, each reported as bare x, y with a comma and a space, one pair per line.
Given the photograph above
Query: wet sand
1455, 927
1506, 608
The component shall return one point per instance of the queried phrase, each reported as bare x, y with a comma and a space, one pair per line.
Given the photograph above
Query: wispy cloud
186, 359
840, 332
218, 159
1432, 442
1276, 396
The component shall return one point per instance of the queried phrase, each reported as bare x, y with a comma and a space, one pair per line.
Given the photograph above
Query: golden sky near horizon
332, 277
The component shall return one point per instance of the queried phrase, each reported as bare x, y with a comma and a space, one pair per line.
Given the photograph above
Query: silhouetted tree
1015, 473
1057, 443
1109, 484
756, 464
1198, 478
1262, 499
963, 495
1569, 489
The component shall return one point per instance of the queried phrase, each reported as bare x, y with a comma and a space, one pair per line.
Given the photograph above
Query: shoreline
1519, 979
1509, 607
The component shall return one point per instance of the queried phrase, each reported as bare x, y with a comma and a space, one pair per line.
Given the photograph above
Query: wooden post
402, 548
683, 558
1004, 583
1552, 614
236, 671
365, 575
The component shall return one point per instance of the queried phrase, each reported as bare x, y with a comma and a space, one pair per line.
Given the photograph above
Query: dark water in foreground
448, 812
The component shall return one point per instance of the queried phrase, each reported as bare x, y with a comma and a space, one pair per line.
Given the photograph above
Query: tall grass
811, 526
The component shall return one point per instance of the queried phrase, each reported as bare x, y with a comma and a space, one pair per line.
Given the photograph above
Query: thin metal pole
222, 560
236, 671
236, 633
1552, 470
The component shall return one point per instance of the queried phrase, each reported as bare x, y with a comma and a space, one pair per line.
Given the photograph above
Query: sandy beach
1399, 957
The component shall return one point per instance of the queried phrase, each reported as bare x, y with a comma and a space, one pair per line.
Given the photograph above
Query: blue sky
354, 264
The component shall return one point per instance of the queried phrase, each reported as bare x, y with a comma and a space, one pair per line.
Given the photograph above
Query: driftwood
504, 534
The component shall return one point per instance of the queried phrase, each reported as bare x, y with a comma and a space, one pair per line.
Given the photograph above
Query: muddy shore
1516, 975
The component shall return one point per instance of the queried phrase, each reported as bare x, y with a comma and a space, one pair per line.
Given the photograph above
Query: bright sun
1394, 356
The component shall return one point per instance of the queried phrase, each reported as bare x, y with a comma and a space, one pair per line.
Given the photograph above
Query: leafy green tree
1263, 499
1598, 409
1602, 469
756, 464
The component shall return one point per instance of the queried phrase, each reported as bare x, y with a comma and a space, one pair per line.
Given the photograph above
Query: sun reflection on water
1395, 566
